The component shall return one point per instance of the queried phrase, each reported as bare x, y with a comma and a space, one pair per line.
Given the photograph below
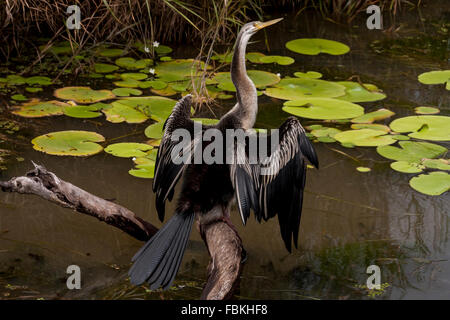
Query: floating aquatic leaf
254, 57
412, 151
433, 184
90, 111
298, 88
155, 84
363, 169
324, 134
36, 108
15, 80
281, 60
38, 80
128, 149
69, 143
407, 167
128, 83
155, 130
223, 57
400, 137
133, 64
373, 126
145, 171
364, 138
120, 112
177, 70
83, 94
370, 117
125, 92
33, 89
110, 53
436, 77
354, 92
63, 48
259, 78
206, 121
309, 75
19, 97
323, 108
426, 110
158, 108
105, 68
441, 164
162, 49
165, 59
316, 46
424, 127
166, 92
133, 76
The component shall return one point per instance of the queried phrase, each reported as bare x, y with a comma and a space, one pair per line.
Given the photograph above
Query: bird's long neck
247, 106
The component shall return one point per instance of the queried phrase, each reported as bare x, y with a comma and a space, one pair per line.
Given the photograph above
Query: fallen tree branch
223, 242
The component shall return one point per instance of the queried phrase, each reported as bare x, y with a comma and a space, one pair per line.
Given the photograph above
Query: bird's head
252, 27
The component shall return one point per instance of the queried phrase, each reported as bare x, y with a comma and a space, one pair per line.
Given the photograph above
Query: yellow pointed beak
261, 25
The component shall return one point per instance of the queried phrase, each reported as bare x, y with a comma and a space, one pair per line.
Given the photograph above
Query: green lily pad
325, 134
309, 75
440, 164
424, 127
15, 80
281, 60
354, 92
36, 108
166, 92
69, 143
158, 108
412, 151
316, 46
363, 169
133, 64
155, 130
177, 70
364, 138
133, 76
206, 121
426, 110
323, 108
33, 89
154, 84
145, 171
125, 92
128, 149
120, 112
370, 117
436, 77
19, 97
83, 112
400, 137
298, 88
162, 49
128, 83
259, 78
38, 80
110, 53
253, 57
105, 68
407, 167
83, 94
225, 57
433, 184
373, 126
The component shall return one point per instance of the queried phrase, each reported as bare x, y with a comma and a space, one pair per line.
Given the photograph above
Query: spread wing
274, 185
167, 171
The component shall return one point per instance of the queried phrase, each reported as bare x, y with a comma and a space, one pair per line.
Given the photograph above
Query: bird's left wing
274, 185
168, 171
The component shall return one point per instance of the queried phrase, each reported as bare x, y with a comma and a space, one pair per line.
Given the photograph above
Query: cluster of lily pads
142, 88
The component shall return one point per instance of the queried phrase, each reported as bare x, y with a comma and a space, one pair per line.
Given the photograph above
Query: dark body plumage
271, 186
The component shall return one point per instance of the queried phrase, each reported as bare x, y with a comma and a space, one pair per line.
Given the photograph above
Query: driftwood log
223, 243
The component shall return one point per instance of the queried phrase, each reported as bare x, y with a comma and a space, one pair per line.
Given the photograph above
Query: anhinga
208, 190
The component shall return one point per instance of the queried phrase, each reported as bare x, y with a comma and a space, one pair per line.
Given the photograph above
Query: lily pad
309, 75
83, 94
110, 52
19, 97
436, 77
281, 60
84, 112
433, 184
128, 149
259, 78
38, 80
105, 68
33, 89
125, 92
155, 84
145, 171
323, 108
69, 143
412, 151
426, 110
364, 138
133, 64
440, 164
206, 121
325, 134
407, 167
155, 130
176, 70
363, 169
158, 108
316, 46
424, 127
120, 112
374, 126
133, 76
354, 92
36, 108
370, 117
298, 88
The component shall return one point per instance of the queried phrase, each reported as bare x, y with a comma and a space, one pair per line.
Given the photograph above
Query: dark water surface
350, 219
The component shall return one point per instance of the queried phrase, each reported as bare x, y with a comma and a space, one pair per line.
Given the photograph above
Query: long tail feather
158, 261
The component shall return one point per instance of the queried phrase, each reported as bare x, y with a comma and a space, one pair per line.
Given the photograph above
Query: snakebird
208, 190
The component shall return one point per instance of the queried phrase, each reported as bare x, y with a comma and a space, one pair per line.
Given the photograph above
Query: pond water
350, 219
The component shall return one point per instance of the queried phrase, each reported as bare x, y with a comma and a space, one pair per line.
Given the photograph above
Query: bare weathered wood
223, 242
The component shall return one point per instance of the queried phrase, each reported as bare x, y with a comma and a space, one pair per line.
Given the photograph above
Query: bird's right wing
167, 171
